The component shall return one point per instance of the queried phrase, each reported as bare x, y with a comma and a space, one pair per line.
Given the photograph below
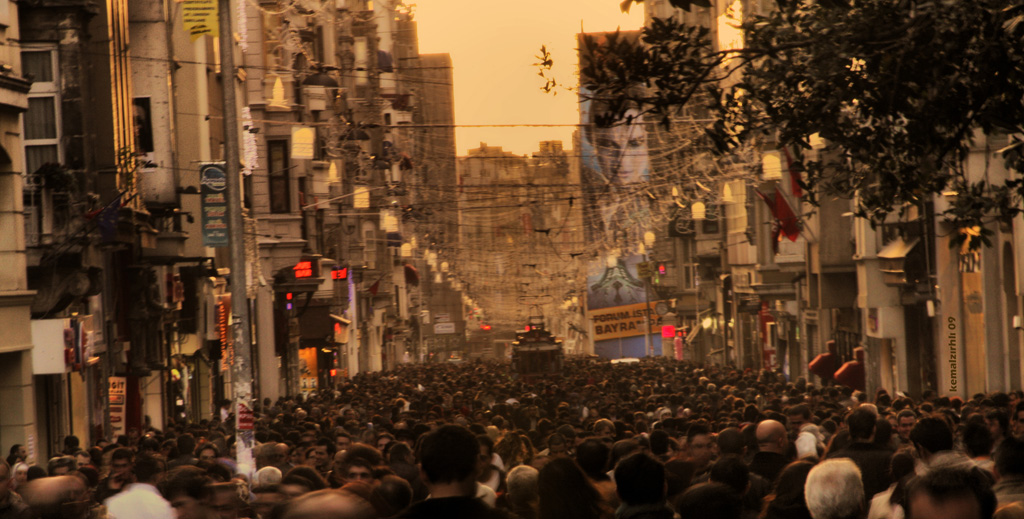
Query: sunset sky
494, 45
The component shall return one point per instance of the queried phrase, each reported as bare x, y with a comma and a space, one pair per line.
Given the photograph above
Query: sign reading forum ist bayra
213, 194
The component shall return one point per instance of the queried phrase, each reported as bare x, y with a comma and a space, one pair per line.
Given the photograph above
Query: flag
375, 287
794, 175
106, 219
786, 222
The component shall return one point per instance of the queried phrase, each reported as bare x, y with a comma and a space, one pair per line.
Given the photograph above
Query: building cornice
17, 297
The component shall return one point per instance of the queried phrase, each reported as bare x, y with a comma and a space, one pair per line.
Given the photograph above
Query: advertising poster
214, 201
117, 394
200, 17
615, 164
308, 370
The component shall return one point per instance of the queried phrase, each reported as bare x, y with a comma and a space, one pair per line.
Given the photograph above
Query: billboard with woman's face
615, 160
615, 173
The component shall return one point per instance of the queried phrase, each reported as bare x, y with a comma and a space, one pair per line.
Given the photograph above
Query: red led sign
303, 269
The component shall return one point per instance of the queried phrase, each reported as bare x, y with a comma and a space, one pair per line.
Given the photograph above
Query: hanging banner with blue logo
214, 197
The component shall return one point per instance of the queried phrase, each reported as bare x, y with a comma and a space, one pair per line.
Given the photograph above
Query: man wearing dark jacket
640, 484
448, 461
772, 445
871, 459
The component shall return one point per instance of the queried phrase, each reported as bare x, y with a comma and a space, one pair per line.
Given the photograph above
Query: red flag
788, 223
375, 287
794, 175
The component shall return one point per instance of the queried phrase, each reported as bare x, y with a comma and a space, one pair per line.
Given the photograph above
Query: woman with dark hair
565, 492
787, 498
18, 453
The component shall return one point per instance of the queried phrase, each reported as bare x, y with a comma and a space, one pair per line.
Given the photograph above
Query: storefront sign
616, 322
117, 394
200, 17
214, 201
444, 328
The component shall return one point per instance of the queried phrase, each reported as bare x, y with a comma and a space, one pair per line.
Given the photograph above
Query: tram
536, 353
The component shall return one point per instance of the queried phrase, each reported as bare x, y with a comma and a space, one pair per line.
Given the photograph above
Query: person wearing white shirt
142, 500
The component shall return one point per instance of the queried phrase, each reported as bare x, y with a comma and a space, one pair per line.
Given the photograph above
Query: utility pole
241, 373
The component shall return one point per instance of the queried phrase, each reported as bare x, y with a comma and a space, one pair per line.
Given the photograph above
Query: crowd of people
658, 439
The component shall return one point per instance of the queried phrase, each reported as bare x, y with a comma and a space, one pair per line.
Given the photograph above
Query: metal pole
241, 373
648, 343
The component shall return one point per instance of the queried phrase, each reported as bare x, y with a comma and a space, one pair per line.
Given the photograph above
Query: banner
308, 371
200, 17
624, 321
117, 394
214, 201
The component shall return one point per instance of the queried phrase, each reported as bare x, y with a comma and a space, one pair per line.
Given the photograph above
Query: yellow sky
494, 44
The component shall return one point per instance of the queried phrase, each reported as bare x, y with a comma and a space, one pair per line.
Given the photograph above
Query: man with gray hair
834, 490
522, 491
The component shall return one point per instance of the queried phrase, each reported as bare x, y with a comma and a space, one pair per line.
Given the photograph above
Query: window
42, 119
277, 172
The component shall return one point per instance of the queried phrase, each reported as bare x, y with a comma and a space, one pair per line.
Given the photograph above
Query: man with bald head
772, 445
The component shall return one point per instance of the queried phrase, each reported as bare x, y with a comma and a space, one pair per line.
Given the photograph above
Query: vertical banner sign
245, 417
200, 17
117, 394
227, 350
213, 193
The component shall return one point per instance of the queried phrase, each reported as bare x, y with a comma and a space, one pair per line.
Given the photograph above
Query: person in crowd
592, 458
565, 492
641, 486
977, 442
71, 445
448, 459
905, 421
18, 454
1009, 471
834, 490
932, 439
11, 504
871, 459
391, 495
700, 447
57, 497
489, 475
950, 491
186, 444
61, 466
330, 504
709, 501
887, 504
773, 446
998, 424
1017, 420
142, 500
264, 499
787, 499
523, 491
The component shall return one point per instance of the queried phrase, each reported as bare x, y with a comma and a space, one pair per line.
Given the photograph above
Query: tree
896, 88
